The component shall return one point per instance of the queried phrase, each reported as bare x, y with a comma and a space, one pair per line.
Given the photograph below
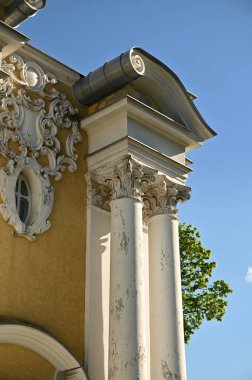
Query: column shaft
127, 347
166, 313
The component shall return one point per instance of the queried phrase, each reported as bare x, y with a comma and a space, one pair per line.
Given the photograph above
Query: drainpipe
20, 10
109, 78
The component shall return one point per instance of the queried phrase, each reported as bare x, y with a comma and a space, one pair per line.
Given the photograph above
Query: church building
92, 169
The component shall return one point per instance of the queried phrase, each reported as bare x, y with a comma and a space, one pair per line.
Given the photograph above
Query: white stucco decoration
29, 73
162, 197
42, 197
44, 345
119, 179
29, 126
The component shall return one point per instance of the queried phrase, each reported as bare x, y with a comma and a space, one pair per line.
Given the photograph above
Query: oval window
23, 198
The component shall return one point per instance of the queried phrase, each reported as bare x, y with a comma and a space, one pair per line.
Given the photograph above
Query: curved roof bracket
154, 78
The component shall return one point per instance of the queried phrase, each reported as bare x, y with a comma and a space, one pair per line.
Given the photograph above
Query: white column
166, 314
127, 347
167, 350
127, 334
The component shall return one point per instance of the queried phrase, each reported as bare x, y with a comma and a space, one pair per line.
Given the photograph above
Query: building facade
91, 171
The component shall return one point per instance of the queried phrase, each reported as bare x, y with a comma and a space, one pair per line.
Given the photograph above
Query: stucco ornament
162, 197
30, 120
120, 179
28, 74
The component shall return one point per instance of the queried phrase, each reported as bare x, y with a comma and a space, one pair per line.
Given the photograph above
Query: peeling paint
113, 372
163, 259
114, 355
118, 308
124, 244
141, 355
166, 373
122, 218
127, 356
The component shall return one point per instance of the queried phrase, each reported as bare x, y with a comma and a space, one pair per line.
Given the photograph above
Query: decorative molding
29, 124
98, 194
162, 196
138, 63
125, 179
28, 74
120, 179
128, 178
42, 196
44, 345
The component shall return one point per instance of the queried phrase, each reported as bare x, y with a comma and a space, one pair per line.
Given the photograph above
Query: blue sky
208, 44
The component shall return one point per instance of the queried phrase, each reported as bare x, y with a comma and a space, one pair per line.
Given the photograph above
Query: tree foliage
201, 299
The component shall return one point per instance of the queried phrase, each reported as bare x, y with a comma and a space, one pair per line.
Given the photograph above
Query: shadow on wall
97, 296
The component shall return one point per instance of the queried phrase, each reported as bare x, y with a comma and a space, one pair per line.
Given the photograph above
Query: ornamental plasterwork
28, 74
42, 202
162, 197
128, 178
122, 179
32, 113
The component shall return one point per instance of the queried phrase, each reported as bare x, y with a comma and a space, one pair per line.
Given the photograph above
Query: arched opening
44, 345
20, 363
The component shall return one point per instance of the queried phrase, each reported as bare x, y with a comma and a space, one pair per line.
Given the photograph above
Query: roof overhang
154, 78
161, 81
10, 40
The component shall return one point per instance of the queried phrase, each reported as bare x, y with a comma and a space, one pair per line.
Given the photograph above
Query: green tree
201, 299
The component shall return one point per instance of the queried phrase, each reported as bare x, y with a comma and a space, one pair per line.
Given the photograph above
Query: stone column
118, 188
127, 341
167, 349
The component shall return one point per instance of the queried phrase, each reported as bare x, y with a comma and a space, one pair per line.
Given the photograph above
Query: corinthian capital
126, 179
123, 179
162, 197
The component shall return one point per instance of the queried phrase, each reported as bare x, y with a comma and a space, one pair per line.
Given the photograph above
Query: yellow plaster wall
2, 9
18, 363
42, 282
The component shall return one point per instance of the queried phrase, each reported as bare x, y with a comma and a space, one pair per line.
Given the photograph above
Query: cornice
154, 79
10, 39
141, 152
165, 125
130, 107
63, 73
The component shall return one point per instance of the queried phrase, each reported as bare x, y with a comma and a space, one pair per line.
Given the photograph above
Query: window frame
18, 196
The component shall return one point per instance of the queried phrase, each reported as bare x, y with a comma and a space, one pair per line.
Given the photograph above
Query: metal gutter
108, 78
114, 75
20, 10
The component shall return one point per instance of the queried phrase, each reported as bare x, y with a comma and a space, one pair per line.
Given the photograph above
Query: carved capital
162, 197
98, 194
128, 178
124, 179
